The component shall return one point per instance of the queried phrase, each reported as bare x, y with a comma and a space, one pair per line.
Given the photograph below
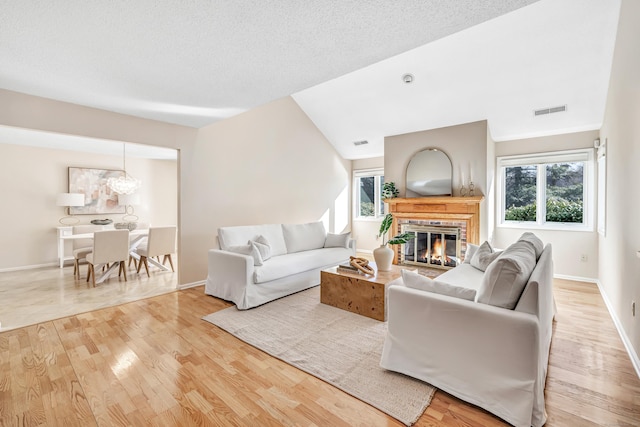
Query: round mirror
429, 174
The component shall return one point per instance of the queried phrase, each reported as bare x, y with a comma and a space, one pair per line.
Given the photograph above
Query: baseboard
575, 278
190, 285
625, 339
28, 267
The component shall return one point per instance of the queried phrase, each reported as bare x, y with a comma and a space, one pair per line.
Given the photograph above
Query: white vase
383, 256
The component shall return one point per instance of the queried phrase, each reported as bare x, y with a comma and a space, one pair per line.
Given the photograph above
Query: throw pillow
337, 240
471, 249
247, 249
416, 281
505, 279
261, 245
538, 246
484, 256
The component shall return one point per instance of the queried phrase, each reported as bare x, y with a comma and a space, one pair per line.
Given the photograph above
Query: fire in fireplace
433, 246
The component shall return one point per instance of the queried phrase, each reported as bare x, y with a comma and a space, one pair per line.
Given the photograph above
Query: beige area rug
334, 345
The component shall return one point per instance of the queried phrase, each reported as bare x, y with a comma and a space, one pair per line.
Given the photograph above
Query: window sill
369, 219
551, 227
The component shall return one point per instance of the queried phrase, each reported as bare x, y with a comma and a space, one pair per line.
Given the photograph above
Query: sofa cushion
303, 237
286, 265
538, 246
484, 256
505, 278
416, 281
464, 275
240, 235
337, 240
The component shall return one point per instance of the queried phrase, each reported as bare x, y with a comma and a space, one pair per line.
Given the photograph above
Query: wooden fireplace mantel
446, 208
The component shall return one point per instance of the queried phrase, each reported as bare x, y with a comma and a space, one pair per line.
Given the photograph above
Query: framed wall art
98, 197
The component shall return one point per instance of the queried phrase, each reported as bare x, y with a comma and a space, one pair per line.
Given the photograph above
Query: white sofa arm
483, 354
229, 275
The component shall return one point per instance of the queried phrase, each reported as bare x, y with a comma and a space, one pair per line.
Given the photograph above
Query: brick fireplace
437, 213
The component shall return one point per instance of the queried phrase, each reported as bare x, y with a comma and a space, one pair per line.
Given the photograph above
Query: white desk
66, 233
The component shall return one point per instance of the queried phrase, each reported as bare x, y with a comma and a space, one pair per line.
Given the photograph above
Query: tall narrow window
549, 190
368, 193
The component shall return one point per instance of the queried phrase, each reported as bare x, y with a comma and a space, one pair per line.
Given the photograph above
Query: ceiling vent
550, 110
363, 142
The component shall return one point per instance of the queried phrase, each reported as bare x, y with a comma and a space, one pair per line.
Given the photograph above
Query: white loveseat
259, 263
491, 356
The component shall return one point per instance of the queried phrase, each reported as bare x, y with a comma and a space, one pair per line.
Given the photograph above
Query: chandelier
124, 184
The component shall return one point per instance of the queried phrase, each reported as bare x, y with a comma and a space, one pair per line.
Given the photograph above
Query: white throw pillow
304, 237
247, 249
505, 279
416, 281
538, 246
471, 249
337, 240
484, 256
261, 245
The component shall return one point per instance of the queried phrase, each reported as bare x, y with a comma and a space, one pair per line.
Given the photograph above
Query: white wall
568, 246
268, 165
466, 146
619, 266
34, 176
366, 230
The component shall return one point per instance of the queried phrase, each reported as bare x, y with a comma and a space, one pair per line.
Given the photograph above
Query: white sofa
483, 353
259, 263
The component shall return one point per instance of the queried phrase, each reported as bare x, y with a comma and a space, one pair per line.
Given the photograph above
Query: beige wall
466, 146
568, 246
268, 165
34, 177
619, 265
366, 230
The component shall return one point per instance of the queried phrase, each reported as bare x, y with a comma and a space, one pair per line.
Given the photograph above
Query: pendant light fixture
124, 184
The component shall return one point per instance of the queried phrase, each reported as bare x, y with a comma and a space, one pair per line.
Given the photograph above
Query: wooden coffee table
358, 293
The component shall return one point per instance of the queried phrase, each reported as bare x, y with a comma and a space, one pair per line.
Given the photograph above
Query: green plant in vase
384, 255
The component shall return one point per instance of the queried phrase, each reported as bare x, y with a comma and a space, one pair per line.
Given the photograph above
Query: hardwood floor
155, 362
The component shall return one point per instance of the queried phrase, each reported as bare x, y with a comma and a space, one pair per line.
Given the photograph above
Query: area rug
334, 345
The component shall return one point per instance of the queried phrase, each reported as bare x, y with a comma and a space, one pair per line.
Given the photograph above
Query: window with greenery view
547, 189
368, 190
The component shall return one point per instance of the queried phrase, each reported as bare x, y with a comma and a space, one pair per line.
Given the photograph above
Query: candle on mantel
461, 176
470, 175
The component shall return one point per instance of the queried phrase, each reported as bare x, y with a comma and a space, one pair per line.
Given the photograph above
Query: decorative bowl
126, 225
101, 221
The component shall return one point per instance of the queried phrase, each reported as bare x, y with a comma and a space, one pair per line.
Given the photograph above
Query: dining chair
142, 241
81, 247
162, 242
110, 246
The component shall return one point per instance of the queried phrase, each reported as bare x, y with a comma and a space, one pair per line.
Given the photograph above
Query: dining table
135, 239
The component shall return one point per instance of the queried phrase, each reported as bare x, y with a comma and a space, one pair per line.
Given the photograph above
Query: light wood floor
155, 362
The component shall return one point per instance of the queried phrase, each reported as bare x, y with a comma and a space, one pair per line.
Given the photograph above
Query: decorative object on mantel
101, 221
429, 174
124, 184
67, 200
384, 255
389, 190
472, 189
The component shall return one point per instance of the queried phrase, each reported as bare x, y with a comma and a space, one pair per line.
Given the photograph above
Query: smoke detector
550, 110
363, 142
408, 78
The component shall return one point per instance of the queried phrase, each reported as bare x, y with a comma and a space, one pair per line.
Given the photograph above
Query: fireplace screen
432, 246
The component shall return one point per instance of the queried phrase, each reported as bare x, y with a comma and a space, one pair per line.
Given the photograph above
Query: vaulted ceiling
200, 61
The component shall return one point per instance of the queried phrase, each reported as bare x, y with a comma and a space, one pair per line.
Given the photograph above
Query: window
368, 193
550, 190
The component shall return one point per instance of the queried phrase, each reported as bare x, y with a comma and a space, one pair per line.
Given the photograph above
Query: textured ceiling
194, 62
